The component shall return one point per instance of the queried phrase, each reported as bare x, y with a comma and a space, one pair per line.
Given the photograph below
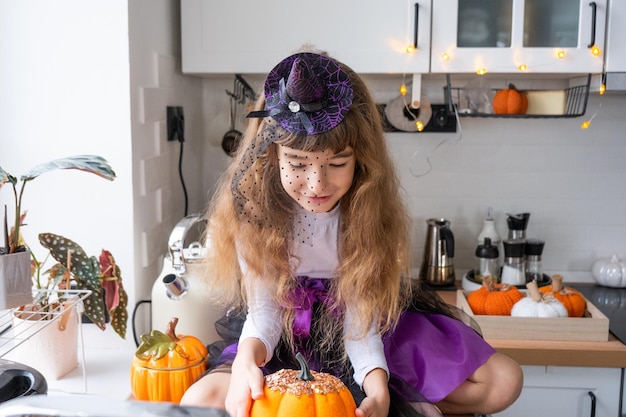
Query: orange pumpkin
290, 393
574, 302
510, 101
166, 364
493, 299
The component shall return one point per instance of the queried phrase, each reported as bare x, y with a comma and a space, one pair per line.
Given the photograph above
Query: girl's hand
376, 403
246, 384
373, 407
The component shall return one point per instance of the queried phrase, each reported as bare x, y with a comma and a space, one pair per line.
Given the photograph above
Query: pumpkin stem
171, 329
488, 283
557, 283
305, 373
533, 291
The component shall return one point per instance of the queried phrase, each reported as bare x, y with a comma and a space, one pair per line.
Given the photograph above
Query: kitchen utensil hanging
241, 92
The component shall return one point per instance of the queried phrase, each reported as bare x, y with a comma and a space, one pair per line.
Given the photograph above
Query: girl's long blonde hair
374, 228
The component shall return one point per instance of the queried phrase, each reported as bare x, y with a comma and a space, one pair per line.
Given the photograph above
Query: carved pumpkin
493, 299
166, 364
510, 101
573, 300
290, 393
537, 304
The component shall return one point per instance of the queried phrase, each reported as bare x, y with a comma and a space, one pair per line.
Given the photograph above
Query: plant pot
15, 280
49, 340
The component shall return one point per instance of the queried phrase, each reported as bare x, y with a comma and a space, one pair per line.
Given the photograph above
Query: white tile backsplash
572, 181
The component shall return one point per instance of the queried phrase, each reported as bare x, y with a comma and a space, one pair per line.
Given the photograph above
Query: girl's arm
246, 383
376, 402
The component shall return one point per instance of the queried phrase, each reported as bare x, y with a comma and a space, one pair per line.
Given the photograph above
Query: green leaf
84, 268
119, 315
154, 345
89, 163
94, 306
6, 177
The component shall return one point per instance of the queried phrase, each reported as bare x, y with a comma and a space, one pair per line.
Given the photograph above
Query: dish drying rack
14, 334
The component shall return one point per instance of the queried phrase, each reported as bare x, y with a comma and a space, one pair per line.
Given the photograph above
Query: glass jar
487, 256
533, 252
514, 268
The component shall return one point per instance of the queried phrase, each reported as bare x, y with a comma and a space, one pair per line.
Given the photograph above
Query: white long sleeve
316, 259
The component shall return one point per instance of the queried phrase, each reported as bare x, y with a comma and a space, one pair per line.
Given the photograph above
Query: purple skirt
432, 354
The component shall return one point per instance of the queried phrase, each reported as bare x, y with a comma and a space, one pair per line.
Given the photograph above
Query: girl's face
316, 180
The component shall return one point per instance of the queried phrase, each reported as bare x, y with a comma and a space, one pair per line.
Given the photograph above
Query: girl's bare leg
208, 391
492, 388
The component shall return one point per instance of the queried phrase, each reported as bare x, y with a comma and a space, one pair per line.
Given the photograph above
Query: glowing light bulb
445, 57
602, 89
481, 71
409, 49
419, 125
585, 124
403, 90
522, 67
595, 51
560, 54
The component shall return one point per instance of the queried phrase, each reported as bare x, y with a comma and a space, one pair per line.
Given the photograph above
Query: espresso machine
438, 263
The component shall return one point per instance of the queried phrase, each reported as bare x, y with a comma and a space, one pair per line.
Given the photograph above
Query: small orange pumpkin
574, 302
290, 393
493, 299
166, 364
510, 101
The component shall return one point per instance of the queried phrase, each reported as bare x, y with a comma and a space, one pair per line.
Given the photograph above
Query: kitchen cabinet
512, 36
242, 36
564, 391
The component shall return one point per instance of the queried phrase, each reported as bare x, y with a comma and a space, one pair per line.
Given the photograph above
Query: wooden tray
594, 326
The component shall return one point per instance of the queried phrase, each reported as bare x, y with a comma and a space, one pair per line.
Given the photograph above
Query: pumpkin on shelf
510, 101
493, 299
573, 300
166, 364
537, 304
303, 393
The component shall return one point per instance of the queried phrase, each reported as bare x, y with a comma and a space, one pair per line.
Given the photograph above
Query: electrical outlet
175, 124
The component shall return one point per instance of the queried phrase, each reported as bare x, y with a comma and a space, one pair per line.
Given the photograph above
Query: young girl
310, 239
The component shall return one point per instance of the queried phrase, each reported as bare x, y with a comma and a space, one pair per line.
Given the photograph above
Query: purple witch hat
307, 94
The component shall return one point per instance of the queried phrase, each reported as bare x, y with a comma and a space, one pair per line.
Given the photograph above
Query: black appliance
17, 380
610, 301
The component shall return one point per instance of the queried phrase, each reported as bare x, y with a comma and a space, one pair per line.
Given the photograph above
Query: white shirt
317, 258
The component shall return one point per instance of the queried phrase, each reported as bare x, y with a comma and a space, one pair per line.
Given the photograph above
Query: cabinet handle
417, 19
593, 404
594, 8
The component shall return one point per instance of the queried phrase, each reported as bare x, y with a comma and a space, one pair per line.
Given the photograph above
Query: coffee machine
438, 263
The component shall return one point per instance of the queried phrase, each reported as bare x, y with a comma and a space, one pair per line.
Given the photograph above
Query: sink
17, 380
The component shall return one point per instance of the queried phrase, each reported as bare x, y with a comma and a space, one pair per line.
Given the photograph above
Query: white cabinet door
509, 36
557, 391
249, 36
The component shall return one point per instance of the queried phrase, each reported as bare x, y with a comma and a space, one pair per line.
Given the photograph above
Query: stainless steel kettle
438, 264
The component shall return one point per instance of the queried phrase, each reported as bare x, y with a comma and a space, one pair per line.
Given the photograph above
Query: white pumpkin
610, 272
536, 304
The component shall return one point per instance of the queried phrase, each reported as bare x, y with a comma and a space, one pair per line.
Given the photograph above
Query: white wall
64, 83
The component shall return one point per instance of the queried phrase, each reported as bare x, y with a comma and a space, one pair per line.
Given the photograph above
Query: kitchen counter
610, 354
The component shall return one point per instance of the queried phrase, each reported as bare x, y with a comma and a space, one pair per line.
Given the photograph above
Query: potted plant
61, 288
15, 271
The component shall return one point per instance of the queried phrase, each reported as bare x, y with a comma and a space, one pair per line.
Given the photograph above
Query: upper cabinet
372, 36
513, 36
397, 36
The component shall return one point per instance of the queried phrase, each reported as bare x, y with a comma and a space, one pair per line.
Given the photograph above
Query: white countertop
107, 359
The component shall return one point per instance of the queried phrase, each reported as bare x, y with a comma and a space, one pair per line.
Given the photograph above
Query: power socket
175, 124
